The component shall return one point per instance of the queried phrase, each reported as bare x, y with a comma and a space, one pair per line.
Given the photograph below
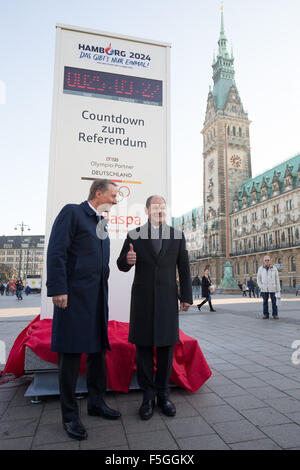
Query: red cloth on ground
190, 369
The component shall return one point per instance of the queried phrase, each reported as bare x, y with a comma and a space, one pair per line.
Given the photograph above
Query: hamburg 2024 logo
112, 56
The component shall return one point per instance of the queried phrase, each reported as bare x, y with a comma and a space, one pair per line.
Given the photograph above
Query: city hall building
242, 218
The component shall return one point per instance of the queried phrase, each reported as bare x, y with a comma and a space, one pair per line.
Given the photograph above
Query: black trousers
158, 385
69, 365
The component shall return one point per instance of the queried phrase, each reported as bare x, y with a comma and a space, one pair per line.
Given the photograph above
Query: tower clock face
235, 161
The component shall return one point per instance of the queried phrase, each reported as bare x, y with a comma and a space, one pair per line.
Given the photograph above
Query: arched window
233, 130
228, 130
292, 264
255, 266
237, 268
246, 267
240, 132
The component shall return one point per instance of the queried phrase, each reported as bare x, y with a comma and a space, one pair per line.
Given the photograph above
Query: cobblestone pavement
252, 400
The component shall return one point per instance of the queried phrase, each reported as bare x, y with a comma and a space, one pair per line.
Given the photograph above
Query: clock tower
226, 151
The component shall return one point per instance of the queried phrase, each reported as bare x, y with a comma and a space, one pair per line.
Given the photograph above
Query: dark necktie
156, 239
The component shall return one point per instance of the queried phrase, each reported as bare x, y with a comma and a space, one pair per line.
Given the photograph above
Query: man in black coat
156, 250
77, 281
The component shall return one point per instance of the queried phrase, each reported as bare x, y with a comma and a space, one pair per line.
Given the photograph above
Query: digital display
112, 86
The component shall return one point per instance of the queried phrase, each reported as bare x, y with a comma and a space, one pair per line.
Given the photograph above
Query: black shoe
75, 430
213, 310
104, 411
146, 409
167, 407
199, 308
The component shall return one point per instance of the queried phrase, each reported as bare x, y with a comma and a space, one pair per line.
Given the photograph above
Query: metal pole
22, 228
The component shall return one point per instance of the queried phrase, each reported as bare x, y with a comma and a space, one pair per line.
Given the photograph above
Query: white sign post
110, 120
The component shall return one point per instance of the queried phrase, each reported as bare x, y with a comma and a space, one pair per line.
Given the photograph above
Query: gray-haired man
268, 282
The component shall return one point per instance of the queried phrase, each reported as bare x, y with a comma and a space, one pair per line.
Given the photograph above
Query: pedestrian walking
244, 289
196, 283
251, 287
207, 290
268, 282
19, 288
2, 288
27, 289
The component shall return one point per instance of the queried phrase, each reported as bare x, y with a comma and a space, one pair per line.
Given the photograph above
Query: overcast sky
265, 38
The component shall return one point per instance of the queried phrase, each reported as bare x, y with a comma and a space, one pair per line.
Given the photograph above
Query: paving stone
249, 382
294, 417
22, 443
207, 399
7, 395
228, 390
18, 428
286, 384
3, 407
129, 408
285, 404
236, 374
219, 380
265, 416
285, 435
157, 440
264, 393
237, 431
210, 442
244, 402
22, 412
134, 424
50, 416
101, 437
69, 445
219, 414
261, 444
185, 427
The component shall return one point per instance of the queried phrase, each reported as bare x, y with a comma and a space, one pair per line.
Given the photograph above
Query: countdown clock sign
110, 119
112, 86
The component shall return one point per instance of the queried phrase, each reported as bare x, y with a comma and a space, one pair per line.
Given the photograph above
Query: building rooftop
16, 242
276, 180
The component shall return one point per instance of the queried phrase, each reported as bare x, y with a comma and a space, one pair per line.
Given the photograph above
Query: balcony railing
265, 247
196, 255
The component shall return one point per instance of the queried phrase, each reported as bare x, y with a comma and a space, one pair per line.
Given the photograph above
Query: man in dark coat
77, 281
156, 250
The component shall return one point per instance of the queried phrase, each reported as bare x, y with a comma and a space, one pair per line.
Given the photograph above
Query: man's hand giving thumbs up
131, 255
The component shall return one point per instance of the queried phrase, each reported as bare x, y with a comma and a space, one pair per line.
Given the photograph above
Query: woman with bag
207, 290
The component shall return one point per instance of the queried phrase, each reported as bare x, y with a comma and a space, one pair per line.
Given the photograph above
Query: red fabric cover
190, 369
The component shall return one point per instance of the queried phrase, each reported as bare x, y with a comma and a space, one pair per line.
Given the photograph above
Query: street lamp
22, 227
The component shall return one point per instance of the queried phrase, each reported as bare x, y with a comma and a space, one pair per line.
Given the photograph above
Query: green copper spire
223, 70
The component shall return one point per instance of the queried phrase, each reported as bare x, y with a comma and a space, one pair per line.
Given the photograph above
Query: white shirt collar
92, 207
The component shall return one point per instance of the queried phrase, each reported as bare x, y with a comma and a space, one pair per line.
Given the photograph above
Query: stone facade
23, 254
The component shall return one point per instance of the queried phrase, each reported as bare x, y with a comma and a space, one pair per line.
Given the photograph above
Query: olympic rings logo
122, 193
